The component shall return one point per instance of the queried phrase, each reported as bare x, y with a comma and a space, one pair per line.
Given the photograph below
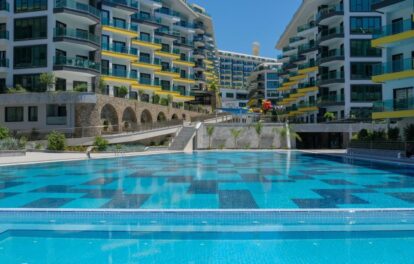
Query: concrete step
183, 138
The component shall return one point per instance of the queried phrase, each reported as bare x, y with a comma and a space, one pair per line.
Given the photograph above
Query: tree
140, 94
210, 132
4, 133
102, 86
100, 143
56, 141
81, 88
235, 133
123, 91
258, 127
156, 99
393, 133
409, 132
288, 133
329, 116
47, 79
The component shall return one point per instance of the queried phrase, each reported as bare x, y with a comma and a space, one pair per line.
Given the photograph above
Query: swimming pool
209, 180
207, 237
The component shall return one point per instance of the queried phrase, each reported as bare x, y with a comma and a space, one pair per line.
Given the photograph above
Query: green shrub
123, 91
409, 132
17, 89
363, 135
394, 133
4, 133
9, 144
164, 102
378, 135
56, 141
81, 88
23, 142
156, 99
100, 143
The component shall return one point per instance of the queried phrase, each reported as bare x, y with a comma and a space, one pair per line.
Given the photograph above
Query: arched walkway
129, 119
109, 118
146, 117
161, 117
174, 117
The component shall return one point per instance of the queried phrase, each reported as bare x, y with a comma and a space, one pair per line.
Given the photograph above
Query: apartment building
235, 68
137, 50
396, 72
328, 60
264, 82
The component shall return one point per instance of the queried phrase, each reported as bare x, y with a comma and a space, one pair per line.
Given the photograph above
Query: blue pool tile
203, 187
48, 203
128, 201
314, 203
101, 181
237, 199
253, 178
86, 203
409, 197
9, 184
338, 182
55, 189
100, 193
180, 179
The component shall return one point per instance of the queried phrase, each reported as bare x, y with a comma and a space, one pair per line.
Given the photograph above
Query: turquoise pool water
209, 180
304, 237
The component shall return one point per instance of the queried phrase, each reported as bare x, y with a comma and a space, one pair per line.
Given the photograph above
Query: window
60, 84
14, 114
365, 25
165, 47
272, 76
56, 114
229, 95
119, 70
145, 57
3, 87
272, 84
21, 6
362, 48
32, 113
403, 98
30, 82
120, 23
361, 112
366, 93
30, 28
30, 56
165, 85
145, 78
362, 70
361, 5
105, 67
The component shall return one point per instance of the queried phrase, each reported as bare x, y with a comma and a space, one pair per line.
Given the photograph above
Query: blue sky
238, 23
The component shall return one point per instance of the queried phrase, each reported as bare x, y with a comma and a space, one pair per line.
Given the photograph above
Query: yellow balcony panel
284, 89
287, 84
394, 114
150, 66
168, 74
297, 95
146, 87
393, 76
119, 55
183, 98
164, 92
146, 44
297, 77
124, 80
120, 31
308, 109
381, 42
208, 62
167, 55
184, 80
308, 70
184, 63
309, 89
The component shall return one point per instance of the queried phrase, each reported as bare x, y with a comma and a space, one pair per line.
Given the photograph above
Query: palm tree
258, 127
288, 133
235, 133
329, 116
210, 132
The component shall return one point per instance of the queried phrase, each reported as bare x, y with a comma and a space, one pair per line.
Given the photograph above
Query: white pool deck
41, 157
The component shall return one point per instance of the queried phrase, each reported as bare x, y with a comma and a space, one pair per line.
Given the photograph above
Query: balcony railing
307, 47
329, 11
335, 54
121, 25
119, 73
331, 33
146, 17
286, 49
120, 49
168, 12
307, 26
326, 100
394, 105
394, 66
71, 4
331, 77
76, 63
128, 3
395, 28
76, 34
4, 63
295, 39
307, 65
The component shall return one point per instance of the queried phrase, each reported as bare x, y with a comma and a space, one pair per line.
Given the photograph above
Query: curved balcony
80, 66
144, 41
130, 6
303, 29
307, 48
146, 63
144, 18
330, 78
169, 72
307, 68
123, 29
119, 76
331, 57
331, 100
79, 11
327, 15
330, 36
74, 36
119, 52
394, 70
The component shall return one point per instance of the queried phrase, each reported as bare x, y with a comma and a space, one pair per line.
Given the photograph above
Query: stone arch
174, 117
146, 117
161, 117
109, 118
184, 117
129, 119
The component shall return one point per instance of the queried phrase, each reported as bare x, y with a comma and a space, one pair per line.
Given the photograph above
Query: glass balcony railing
330, 11
286, 49
128, 3
331, 99
394, 105
393, 67
71, 4
331, 33
146, 81
119, 73
295, 39
4, 6
171, 70
148, 39
330, 77
306, 104
307, 26
119, 49
306, 85
121, 25
75, 34
307, 65
4, 63
4, 34
307, 47
76, 63
332, 55
147, 17
168, 12
395, 28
